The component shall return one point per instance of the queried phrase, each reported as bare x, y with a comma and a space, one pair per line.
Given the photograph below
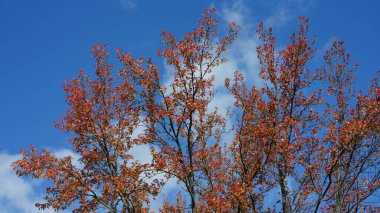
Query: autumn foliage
304, 139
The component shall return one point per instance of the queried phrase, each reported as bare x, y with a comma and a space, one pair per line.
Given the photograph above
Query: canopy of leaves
305, 133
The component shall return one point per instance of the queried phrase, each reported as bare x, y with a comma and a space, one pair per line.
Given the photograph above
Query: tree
305, 133
330, 154
275, 118
102, 116
178, 119
348, 156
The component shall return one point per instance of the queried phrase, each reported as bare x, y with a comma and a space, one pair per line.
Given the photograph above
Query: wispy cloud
242, 55
284, 11
129, 4
302, 5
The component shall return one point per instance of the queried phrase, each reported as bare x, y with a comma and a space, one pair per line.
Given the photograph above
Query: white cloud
235, 12
17, 194
241, 55
20, 194
61, 153
165, 193
143, 154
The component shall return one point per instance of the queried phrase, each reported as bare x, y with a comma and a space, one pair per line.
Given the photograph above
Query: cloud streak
128, 4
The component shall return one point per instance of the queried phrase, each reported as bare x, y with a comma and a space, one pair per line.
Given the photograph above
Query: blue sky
44, 42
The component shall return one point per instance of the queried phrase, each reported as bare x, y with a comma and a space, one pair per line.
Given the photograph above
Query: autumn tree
273, 131
102, 114
178, 119
345, 167
305, 133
